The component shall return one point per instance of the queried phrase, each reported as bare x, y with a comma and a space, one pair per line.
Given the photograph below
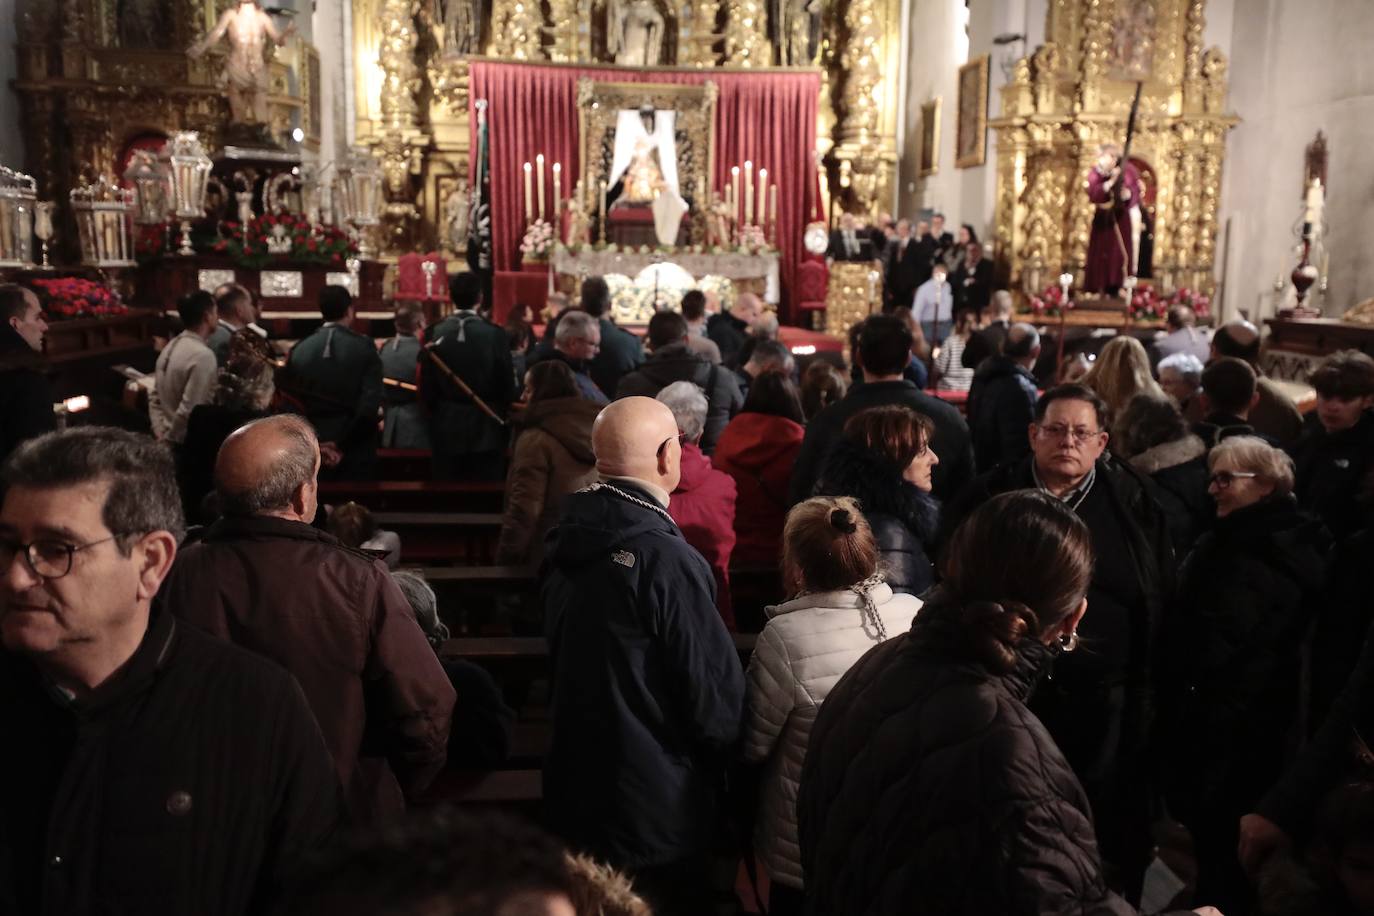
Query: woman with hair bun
839, 609
930, 787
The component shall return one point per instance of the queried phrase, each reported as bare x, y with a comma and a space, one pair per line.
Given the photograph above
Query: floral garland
308, 243
538, 241
1050, 303
65, 298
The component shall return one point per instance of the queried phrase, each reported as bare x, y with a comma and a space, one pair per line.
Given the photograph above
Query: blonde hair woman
1121, 372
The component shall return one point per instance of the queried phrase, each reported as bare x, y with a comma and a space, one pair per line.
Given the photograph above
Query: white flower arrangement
538, 240
751, 238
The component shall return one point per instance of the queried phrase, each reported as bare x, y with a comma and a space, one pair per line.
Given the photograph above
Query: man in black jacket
883, 352
1097, 706
988, 341
1001, 402
152, 769
467, 442
648, 693
1229, 392
671, 361
903, 267
730, 330
621, 351
26, 396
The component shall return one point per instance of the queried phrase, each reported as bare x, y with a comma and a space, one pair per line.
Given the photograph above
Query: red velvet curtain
766, 117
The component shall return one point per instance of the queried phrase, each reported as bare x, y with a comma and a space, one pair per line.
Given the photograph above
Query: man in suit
902, 267
849, 244
944, 242
336, 375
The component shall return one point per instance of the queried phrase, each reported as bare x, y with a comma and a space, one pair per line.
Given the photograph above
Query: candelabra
187, 171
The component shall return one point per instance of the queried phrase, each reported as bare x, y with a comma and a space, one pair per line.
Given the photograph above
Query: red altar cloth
766, 117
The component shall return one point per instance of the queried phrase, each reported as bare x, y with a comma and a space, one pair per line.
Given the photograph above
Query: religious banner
479, 222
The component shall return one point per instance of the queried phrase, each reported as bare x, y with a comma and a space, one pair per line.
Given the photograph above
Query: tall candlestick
734, 191
539, 171
1315, 198
748, 192
773, 211
557, 189
603, 211
529, 196
763, 198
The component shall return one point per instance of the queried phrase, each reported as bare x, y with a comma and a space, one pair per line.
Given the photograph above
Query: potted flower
537, 243
66, 298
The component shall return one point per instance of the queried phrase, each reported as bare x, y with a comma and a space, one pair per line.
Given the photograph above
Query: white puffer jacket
807, 646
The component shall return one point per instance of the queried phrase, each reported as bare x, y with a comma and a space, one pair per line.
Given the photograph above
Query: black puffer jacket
26, 396
1335, 474
905, 521
1001, 406
1230, 654
930, 788
1178, 471
675, 363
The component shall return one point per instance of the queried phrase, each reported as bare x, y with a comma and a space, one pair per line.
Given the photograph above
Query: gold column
400, 144
516, 26
859, 151
562, 30
699, 44
746, 34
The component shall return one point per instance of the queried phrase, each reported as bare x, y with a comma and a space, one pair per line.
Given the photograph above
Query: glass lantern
18, 195
102, 210
358, 195
149, 182
187, 170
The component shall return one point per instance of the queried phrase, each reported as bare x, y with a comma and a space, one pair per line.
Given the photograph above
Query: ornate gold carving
516, 28
855, 288
746, 34
448, 77
1060, 106
562, 30
396, 56
699, 41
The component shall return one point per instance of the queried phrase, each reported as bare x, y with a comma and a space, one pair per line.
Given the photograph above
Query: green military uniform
466, 442
406, 425
218, 341
336, 375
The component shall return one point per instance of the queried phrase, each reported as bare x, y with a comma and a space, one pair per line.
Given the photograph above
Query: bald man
264, 578
730, 330
1274, 415
648, 692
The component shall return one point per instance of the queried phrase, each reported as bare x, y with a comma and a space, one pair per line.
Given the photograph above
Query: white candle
1315, 200
773, 210
539, 172
748, 192
734, 191
557, 188
529, 196
1065, 281
763, 197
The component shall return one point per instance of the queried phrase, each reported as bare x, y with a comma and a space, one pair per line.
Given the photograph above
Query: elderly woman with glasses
1231, 650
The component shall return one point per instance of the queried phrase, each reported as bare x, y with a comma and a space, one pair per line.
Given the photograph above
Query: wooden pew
432, 538
416, 495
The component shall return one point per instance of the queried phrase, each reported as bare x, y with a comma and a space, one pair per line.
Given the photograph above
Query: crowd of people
1008, 646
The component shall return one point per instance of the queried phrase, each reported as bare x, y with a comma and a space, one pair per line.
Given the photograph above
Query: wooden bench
404, 464
507, 650
444, 537
417, 495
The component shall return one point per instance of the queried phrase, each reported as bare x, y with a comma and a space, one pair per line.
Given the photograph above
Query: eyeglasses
46, 559
1223, 479
1079, 434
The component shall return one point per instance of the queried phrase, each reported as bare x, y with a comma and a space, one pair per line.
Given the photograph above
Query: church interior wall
330, 38
11, 140
1298, 68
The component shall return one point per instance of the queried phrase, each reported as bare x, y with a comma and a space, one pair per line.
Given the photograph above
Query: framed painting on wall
970, 139
930, 138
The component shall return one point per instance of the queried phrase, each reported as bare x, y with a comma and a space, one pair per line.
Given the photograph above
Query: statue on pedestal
460, 33
245, 69
457, 214
799, 31
634, 33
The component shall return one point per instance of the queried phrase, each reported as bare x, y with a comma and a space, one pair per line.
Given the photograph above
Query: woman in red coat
758, 449
703, 505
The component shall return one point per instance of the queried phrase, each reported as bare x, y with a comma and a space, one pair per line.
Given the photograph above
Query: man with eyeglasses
149, 767
647, 690
1097, 703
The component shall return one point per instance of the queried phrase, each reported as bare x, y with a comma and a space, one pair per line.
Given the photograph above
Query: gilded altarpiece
1074, 93
95, 76
412, 102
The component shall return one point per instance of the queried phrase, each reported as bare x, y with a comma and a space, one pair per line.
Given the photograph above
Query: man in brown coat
264, 578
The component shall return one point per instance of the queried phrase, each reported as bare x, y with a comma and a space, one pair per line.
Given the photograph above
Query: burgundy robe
1106, 267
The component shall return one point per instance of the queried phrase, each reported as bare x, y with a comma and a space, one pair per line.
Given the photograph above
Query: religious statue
245, 69
643, 177
245, 202
799, 31
644, 161
460, 32
634, 33
579, 222
457, 213
1114, 187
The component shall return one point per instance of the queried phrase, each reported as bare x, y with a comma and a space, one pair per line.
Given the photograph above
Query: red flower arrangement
150, 241
72, 297
1050, 303
294, 235
1145, 305
1198, 301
